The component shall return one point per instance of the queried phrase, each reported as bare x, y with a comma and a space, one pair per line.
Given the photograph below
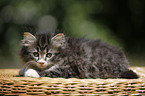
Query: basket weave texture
10, 85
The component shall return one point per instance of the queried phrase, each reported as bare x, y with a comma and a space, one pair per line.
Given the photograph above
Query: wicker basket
10, 85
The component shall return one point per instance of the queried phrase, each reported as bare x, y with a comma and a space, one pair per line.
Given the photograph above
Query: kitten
60, 56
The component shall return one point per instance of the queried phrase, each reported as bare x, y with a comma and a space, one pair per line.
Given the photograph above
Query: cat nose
41, 63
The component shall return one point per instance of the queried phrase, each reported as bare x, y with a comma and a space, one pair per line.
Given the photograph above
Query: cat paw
32, 73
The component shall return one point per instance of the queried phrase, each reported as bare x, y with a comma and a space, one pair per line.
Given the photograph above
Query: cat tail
129, 74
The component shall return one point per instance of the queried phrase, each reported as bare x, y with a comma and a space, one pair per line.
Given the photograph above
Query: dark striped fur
81, 58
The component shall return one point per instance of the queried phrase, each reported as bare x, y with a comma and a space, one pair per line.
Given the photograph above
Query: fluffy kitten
60, 56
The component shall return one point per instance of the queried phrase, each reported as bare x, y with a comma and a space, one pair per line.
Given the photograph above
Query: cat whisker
28, 64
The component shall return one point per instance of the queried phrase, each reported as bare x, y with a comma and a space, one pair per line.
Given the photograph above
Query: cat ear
58, 40
28, 39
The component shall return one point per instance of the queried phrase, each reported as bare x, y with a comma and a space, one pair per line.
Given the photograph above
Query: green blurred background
118, 22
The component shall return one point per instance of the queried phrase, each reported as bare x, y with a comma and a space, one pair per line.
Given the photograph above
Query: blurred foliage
119, 22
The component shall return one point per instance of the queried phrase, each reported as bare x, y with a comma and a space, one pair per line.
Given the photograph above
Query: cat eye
48, 55
36, 54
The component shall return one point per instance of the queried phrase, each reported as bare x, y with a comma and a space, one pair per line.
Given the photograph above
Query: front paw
31, 73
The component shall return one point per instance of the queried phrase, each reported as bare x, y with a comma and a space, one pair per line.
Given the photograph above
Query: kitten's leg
31, 73
22, 71
51, 72
58, 71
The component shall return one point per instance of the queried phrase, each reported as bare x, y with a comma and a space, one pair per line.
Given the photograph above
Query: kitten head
41, 49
